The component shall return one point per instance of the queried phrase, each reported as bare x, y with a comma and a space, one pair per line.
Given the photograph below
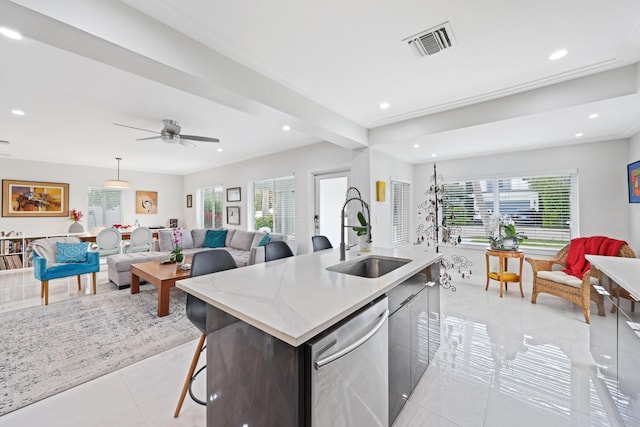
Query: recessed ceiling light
579, 135
594, 116
12, 34
286, 128
558, 54
219, 150
433, 155
18, 112
416, 145
384, 105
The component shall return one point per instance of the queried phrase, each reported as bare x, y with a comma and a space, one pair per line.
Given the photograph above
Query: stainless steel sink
371, 266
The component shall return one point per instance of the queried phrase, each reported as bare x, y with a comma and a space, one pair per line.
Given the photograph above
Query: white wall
301, 162
602, 188
383, 168
169, 188
634, 208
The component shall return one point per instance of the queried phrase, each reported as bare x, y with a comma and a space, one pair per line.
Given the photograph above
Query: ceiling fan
170, 133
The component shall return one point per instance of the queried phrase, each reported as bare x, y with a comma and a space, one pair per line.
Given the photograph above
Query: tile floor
502, 362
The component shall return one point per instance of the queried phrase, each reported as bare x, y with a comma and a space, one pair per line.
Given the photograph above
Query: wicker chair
575, 290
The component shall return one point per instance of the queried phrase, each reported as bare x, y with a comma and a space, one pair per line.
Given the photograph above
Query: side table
503, 275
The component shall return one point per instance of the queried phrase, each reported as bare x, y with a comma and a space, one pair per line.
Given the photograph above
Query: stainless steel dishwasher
349, 371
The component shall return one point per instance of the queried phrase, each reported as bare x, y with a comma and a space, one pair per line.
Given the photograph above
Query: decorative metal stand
435, 230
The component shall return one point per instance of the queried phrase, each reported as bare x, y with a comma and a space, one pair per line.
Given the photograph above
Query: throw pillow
71, 252
266, 239
215, 239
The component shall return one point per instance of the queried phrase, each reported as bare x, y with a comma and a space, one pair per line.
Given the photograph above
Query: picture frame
189, 200
233, 215
233, 194
146, 202
34, 198
633, 181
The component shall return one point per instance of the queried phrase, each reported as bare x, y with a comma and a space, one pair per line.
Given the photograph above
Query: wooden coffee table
162, 276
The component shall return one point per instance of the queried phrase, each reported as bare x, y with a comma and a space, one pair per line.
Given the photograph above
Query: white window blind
541, 207
275, 205
104, 207
399, 212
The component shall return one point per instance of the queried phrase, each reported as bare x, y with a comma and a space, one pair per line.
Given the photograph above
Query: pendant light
117, 183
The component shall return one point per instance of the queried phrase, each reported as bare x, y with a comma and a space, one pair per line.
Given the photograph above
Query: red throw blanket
577, 264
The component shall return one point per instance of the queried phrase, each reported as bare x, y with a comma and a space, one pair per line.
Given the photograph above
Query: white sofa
242, 245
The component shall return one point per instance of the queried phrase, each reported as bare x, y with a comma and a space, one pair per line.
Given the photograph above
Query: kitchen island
260, 316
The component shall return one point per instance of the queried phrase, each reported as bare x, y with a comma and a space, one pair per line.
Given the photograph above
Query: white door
330, 190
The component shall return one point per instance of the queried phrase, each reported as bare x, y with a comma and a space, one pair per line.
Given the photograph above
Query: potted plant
512, 238
363, 232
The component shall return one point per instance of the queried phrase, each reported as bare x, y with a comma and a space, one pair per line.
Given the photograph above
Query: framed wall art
146, 202
233, 194
189, 200
34, 198
633, 179
233, 215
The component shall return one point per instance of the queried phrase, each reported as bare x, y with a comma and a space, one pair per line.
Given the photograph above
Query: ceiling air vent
432, 41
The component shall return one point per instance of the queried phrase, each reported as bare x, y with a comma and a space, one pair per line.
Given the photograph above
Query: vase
365, 246
76, 227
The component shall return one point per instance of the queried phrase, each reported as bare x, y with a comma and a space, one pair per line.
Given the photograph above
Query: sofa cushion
165, 237
242, 240
265, 239
166, 240
215, 239
564, 278
230, 233
198, 235
186, 239
71, 252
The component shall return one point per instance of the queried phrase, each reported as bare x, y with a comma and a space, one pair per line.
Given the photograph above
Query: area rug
49, 349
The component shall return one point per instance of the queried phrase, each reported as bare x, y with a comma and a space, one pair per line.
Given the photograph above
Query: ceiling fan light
170, 139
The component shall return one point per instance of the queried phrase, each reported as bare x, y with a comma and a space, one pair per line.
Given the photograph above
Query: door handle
348, 349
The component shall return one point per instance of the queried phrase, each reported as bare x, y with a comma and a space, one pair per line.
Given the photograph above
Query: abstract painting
146, 202
35, 199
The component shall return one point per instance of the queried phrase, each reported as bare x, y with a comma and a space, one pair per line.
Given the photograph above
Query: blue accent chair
57, 271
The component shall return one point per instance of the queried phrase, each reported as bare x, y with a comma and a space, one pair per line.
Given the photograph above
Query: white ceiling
240, 70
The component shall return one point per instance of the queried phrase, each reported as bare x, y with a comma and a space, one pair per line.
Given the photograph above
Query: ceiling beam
168, 57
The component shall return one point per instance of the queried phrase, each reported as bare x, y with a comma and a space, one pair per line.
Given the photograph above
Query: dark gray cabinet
614, 345
414, 335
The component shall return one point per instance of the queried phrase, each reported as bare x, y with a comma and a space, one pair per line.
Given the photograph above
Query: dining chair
320, 243
140, 240
276, 250
108, 242
205, 262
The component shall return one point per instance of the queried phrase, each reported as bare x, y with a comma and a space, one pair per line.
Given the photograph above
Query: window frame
539, 236
399, 231
288, 219
91, 224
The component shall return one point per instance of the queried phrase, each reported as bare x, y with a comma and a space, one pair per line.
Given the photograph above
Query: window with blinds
399, 213
104, 207
275, 205
540, 207
209, 204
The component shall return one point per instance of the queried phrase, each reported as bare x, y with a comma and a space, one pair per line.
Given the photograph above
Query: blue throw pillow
215, 239
71, 252
266, 239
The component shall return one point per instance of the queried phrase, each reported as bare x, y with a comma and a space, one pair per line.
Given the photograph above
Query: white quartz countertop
294, 299
624, 271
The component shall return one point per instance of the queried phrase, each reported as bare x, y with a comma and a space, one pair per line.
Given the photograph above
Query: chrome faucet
343, 250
